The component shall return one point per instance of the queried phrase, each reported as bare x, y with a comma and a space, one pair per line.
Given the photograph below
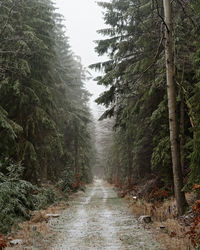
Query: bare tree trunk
76, 157
182, 132
45, 169
173, 124
129, 172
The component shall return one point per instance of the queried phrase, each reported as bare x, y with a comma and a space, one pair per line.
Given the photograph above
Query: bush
67, 181
18, 197
44, 197
15, 195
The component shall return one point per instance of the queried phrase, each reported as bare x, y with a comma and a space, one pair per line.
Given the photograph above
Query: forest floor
94, 219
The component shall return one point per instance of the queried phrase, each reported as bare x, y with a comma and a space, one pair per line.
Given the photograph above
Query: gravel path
98, 219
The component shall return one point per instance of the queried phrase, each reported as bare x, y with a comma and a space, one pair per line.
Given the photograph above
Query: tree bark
45, 169
182, 133
173, 124
129, 169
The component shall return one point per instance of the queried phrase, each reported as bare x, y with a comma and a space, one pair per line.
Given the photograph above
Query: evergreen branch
141, 75
187, 103
9, 15
154, 60
184, 11
8, 52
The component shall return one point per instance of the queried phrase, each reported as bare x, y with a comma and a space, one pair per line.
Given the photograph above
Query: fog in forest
99, 101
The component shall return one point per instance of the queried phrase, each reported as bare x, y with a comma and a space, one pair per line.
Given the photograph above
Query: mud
98, 219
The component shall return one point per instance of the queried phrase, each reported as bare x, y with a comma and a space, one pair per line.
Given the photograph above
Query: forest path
100, 220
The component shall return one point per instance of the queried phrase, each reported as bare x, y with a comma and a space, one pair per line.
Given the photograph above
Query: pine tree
135, 75
173, 121
42, 88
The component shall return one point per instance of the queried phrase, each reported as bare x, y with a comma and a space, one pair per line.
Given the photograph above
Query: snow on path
100, 220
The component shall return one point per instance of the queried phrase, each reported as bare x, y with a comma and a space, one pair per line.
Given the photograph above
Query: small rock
145, 218
52, 215
49, 216
16, 242
34, 228
135, 197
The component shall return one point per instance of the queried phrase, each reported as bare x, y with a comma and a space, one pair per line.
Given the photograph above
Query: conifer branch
187, 103
8, 52
184, 11
9, 15
154, 60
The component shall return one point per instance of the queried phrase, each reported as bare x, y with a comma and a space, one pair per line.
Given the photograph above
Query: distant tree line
157, 120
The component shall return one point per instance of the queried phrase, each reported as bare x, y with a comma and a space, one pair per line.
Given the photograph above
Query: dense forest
153, 92
45, 122
152, 100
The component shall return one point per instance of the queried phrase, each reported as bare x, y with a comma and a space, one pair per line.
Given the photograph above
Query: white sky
82, 19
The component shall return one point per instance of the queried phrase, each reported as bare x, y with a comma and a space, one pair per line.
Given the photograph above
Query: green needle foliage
135, 78
15, 195
44, 114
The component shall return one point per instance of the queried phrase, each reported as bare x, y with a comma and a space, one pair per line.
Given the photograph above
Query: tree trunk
173, 124
76, 163
129, 168
182, 133
45, 169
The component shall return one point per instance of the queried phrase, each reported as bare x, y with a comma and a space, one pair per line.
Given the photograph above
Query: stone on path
145, 219
16, 242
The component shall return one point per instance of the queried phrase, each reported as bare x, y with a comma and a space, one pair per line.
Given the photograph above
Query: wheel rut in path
100, 220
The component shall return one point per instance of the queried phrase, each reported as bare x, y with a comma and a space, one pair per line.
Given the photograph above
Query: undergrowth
175, 233
44, 197
15, 195
18, 197
67, 181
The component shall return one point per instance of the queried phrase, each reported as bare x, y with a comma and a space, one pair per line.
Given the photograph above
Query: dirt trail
98, 219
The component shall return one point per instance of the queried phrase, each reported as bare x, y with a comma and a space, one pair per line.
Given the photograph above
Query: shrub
67, 181
44, 197
18, 197
15, 195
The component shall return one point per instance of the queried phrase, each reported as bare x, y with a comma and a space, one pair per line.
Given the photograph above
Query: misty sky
82, 19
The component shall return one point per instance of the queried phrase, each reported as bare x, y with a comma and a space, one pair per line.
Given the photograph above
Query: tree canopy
44, 114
